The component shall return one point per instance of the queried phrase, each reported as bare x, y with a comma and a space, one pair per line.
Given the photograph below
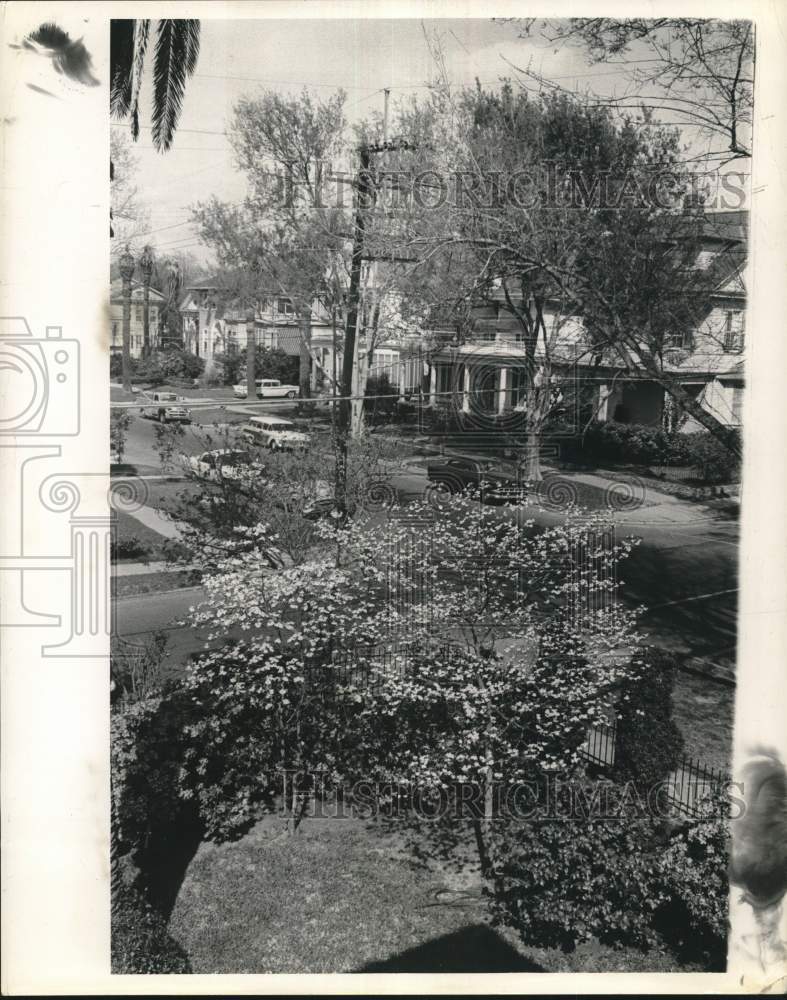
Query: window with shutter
733, 330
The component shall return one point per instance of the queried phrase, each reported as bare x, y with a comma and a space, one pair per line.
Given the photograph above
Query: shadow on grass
475, 948
168, 857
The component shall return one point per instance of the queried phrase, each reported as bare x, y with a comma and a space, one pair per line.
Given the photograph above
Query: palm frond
141, 35
121, 59
177, 50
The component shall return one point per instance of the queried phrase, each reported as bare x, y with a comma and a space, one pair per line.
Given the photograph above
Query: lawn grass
215, 415
704, 711
345, 895
128, 527
164, 494
153, 583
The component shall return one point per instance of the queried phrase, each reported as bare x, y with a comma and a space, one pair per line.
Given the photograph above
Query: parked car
320, 502
496, 484
166, 407
268, 388
274, 433
222, 463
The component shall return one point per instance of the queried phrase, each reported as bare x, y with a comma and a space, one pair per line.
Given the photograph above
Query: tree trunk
146, 322
532, 462
251, 356
344, 416
127, 334
305, 373
360, 375
726, 435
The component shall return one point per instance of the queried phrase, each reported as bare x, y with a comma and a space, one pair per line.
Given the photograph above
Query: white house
157, 302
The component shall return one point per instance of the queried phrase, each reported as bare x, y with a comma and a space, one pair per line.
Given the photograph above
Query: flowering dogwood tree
382, 657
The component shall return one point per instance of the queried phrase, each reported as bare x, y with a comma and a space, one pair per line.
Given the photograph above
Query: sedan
223, 463
496, 484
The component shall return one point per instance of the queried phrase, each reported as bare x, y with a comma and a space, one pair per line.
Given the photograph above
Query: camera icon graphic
39, 381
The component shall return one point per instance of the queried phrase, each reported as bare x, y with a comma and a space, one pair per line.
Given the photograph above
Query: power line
284, 83
197, 131
185, 149
161, 229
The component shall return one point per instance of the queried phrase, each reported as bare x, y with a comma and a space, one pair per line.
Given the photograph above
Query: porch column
402, 375
433, 384
603, 402
502, 390
466, 390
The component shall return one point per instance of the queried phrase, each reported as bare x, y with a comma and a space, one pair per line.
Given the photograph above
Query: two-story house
212, 328
488, 372
156, 305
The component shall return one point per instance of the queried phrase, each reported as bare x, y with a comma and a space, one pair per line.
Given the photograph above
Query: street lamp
146, 266
126, 265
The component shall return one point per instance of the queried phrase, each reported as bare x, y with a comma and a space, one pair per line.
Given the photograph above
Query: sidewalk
654, 507
143, 569
639, 503
157, 522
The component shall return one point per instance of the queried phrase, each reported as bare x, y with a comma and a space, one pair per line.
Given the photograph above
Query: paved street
684, 569
136, 617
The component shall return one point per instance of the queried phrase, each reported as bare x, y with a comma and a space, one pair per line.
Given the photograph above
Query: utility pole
348, 357
126, 273
364, 186
251, 354
146, 266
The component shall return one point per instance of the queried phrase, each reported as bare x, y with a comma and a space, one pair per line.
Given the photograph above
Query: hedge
563, 881
648, 743
147, 750
637, 444
154, 832
161, 367
613, 877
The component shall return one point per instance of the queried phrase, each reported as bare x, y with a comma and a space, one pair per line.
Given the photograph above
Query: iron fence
685, 787
690, 782
599, 747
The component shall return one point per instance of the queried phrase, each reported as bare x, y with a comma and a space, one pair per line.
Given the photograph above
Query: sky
362, 56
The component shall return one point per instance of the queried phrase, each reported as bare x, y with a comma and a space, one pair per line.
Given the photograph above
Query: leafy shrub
116, 365
561, 882
140, 940
146, 751
135, 671
129, 548
257, 712
151, 829
644, 445
119, 423
380, 399
648, 743
609, 875
717, 463
693, 873
269, 362
609, 441
167, 365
